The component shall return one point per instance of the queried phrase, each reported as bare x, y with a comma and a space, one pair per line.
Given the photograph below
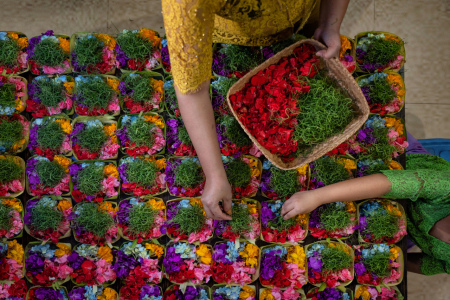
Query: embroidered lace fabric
427, 183
193, 25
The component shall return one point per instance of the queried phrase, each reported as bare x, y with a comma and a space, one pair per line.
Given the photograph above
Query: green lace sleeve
433, 266
429, 185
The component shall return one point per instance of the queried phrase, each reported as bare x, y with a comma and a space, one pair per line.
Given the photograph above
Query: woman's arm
372, 186
198, 117
332, 13
189, 28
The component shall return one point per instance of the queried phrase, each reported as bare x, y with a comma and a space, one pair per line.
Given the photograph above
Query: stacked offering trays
115, 232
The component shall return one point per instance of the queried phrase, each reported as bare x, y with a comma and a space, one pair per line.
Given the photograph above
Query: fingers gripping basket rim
338, 73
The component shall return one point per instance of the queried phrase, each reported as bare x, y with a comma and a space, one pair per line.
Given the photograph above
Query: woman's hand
300, 203
331, 38
216, 190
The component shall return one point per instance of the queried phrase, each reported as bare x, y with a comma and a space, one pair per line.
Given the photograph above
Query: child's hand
300, 203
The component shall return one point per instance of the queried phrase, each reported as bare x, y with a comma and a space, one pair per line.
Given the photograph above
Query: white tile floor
422, 23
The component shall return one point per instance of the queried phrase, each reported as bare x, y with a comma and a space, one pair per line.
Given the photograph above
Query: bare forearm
198, 117
372, 186
332, 13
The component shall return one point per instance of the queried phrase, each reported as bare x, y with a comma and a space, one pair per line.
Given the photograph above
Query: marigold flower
350, 206
63, 162
267, 295
65, 125
111, 170
156, 204
64, 205
107, 206
113, 82
18, 145
69, 86
157, 120
110, 129
205, 254
63, 249
396, 123
161, 163
363, 292
348, 163
395, 251
151, 36
107, 39
158, 86
391, 37
15, 251
302, 219
252, 208
14, 203
296, 255
247, 292
196, 201
13, 35
23, 42
392, 209
64, 44
250, 254
19, 105
393, 165
155, 249
108, 294
302, 170
345, 45
105, 253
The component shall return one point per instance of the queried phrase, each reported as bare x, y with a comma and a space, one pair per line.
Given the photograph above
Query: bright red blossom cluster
267, 105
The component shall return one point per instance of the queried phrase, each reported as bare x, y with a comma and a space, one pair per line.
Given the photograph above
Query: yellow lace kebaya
193, 25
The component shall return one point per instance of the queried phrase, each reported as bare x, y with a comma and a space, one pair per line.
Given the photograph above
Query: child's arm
372, 186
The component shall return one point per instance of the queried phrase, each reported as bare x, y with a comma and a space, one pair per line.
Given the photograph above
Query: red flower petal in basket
258, 80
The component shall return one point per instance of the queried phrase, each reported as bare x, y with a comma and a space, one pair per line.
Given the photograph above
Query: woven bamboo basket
105, 284
186, 242
346, 290
26, 137
36, 287
399, 294
93, 161
401, 52
162, 171
73, 42
114, 205
27, 255
120, 230
153, 75
20, 34
178, 157
160, 260
20, 234
28, 185
394, 203
106, 119
306, 228
23, 178
352, 268
68, 70
158, 67
105, 78
400, 259
258, 207
301, 291
57, 198
287, 246
59, 116
400, 78
344, 81
122, 148
178, 200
